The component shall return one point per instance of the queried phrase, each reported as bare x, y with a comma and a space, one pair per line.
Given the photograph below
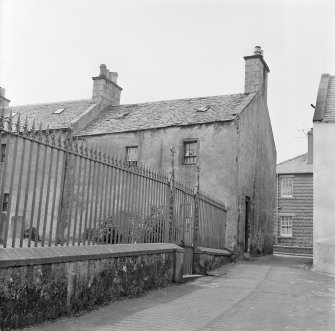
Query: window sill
285, 237
289, 198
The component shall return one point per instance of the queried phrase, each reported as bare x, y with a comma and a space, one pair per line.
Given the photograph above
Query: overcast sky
169, 49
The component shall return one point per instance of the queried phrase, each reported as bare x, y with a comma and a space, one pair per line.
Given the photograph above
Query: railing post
172, 196
196, 209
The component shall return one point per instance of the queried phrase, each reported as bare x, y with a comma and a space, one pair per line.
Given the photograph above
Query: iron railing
55, 190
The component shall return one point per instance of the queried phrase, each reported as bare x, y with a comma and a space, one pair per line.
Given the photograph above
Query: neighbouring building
293, 219
224, 141
227, 139
324, 176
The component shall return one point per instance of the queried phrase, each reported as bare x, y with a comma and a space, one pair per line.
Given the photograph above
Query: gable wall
256, 176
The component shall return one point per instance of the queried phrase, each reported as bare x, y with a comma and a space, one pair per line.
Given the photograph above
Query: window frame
289, 225
185, 142
282, 188
131, 163
5, 202
3, 152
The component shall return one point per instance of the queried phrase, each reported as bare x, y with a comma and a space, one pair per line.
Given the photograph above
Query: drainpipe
277, 207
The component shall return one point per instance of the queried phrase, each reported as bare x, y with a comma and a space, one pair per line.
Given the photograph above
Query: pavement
267, 293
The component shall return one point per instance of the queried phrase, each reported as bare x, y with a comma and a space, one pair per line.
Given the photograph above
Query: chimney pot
258, 50
113, 77
103, 70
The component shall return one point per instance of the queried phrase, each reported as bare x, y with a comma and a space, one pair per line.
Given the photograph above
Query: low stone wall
206, 259
39, 284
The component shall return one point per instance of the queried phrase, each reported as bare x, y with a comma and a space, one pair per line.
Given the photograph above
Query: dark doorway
247, 225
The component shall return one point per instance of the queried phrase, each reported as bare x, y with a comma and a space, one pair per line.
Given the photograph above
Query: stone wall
206, 259
40, 284
300, 206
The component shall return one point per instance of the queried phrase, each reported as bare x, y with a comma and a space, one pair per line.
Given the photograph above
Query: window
59, 111
5, 202
286, 226
287, 187
132, 156
190, 152
3, 153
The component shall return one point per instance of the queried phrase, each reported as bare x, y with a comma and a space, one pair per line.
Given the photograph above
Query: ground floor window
286, 226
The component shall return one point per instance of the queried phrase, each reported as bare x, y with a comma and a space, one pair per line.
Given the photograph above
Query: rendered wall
324, 195
256, 176
217, 157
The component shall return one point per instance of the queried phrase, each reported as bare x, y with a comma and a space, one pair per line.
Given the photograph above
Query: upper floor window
190, 152
132, 155
286, 226
5, 202
3, 153
286, 188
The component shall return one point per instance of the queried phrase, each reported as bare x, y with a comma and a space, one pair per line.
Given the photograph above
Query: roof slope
330, 103
168, 113
44, 113
296, 165
325, 102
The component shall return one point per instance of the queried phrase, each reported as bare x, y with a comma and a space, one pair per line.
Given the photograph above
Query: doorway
247, 225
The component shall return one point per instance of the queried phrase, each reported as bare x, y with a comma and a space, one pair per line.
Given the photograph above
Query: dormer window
13, 114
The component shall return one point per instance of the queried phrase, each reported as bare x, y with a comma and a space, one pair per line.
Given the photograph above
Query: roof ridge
48, 103
182, 99
294, 158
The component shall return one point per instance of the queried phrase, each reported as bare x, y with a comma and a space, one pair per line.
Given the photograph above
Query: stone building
293, 219
227, 139
324, 176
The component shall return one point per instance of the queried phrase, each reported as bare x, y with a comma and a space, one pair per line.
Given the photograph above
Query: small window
190, 152
3, 153
13, 114
287, 187
132, 152
286, 226
5, 202
58, 111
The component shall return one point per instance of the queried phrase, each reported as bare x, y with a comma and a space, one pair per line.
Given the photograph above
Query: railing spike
18, 123
25, 126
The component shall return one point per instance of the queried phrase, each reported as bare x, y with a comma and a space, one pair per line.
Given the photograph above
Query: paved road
269, 293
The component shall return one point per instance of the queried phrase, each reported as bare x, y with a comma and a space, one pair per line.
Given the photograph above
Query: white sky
50, 49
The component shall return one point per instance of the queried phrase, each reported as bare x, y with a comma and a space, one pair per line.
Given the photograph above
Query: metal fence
59, 191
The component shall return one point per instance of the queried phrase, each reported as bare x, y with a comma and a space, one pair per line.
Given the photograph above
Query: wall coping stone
213, 251
10, 257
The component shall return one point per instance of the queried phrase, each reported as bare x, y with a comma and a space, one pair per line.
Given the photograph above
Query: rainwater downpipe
277, 207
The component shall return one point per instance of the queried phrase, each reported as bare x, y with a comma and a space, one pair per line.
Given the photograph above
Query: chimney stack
256, 73
310, 146
106, 91
4, 102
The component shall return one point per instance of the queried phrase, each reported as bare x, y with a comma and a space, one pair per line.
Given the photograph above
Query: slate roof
44, 113
295, 166
180, 112
330, 103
